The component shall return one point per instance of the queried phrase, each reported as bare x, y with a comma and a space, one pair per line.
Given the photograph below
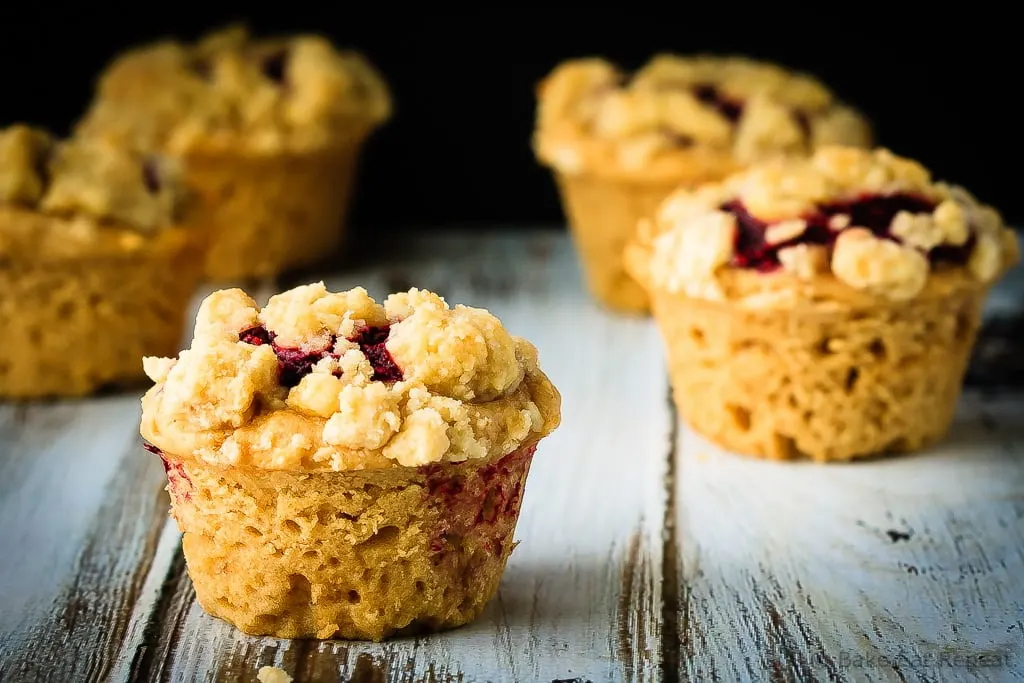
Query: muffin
823, 308
342, 468
618, 145
96, 264
268, 131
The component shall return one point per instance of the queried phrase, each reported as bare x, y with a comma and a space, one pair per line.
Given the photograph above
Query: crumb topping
590, 112
871, 220
89, 184
231, 89
335, 380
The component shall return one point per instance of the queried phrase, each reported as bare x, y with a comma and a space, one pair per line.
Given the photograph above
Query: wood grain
895, 570
646, 553
82, 509
574, 604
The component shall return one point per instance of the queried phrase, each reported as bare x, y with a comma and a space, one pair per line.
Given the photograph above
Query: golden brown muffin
269, 132
619, 145
822, 308
96, 268
342, 468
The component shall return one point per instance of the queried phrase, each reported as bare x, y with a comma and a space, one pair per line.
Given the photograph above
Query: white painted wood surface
905, 569
893, 570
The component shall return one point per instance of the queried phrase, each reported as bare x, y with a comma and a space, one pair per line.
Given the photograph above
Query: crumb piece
317, 393
785, 231
215, 386
423, 439
308, 316
365, 417
951, 221
840, 221
463, 352
224, 314
805, 260
864, 261
986, 259
688, 257
156, 368
272, 674
767, 127
23, 152
947, 224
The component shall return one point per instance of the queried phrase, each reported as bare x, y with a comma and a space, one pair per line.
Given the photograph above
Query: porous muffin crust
96, 268
269, 130
345, 468
618, 145
822, 308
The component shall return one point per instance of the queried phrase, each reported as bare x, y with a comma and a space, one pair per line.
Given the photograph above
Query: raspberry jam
371, 341
710, 95
874, 212
482, 504
179, 485
296, 363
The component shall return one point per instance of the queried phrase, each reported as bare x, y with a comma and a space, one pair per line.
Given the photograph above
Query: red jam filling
710, 95
874, 212
151, 176
732, 110
274, 67
483, 504
371, 341
294, 364
178, 481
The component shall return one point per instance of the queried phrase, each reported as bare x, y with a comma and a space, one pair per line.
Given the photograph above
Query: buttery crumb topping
717, 109
232, 90
58, 194
871, 220
322, 380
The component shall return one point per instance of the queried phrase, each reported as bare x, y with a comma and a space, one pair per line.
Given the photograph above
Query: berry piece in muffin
828, 304
95, 263
268, 130
354, 469
620, 143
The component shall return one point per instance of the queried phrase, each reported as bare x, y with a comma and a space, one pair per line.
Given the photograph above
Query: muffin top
336, 381
229, 90
62, 196
683, 116
841, 223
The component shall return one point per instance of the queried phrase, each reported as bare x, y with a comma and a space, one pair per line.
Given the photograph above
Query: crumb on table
272, 674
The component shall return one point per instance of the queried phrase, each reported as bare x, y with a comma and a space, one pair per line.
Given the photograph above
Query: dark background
940, 88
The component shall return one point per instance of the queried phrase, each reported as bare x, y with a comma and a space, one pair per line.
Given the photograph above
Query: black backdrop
940, 88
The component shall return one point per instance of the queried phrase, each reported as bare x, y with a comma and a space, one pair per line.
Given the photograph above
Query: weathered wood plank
891, 570
896, 570
81, 513
581, 595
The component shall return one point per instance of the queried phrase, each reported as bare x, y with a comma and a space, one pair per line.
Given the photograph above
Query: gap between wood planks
674, 612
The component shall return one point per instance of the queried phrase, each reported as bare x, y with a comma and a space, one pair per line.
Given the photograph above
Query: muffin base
829, 384
360, 555
268, 214
603, 214
76, 325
